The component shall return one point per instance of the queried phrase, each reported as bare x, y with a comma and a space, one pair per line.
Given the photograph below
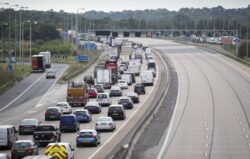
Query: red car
92, 92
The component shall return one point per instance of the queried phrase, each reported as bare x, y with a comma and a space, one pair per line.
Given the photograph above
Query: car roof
18, 141
124, 98
132, 93
115, 88
53, 108
87, 130
116, 105
47, 125
62, 103
103, 93
92, 103
81, 110
59, 143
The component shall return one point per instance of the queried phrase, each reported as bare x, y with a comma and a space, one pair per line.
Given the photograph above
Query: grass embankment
8, 80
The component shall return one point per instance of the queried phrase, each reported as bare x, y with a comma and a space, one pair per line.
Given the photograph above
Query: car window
115, 109
22, 145
124, 100
45, 128
102, 96
29, 122
52, 110
86, 134
80, 113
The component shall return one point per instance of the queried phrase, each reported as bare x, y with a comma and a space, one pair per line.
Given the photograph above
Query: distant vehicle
46, 133
88, 137
123, 66
105, 123
153, 70
103, 99
104, 77
99, 66
151, 64
134, 69
147, 78
115, 91
126, 102
50, 74
53, 113
134, 97
127, 78
132, 76
62, 150
117, 112
22, 148
83, 115
123, 84
4, 156
77, 93
8, 135
93, 107
139, 88
47, 56
92, 92
28, 126
69, 123
99, 88
38, 63
112, 64
89, 79
65, 107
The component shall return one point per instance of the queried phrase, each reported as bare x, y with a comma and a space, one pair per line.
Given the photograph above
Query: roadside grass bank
8, 80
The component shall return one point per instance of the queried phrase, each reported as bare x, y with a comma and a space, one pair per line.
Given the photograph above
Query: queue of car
69, 120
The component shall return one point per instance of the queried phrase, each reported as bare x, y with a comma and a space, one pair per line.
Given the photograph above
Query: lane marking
138, 108
22, 93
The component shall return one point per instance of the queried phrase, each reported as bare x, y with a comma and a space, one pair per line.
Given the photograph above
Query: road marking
111, 137
40, 104
22, 93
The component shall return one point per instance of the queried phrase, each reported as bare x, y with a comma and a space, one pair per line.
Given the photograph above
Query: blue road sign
82, 58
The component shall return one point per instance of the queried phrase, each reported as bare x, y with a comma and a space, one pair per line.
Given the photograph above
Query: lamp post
77, 27
20, 33
29, 21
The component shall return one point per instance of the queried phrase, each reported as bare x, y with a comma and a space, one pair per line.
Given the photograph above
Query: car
4, 156
88, 137
89, 79
8, 135
117, 111
123, 84
66, 108
62, 150
69, 123
134, 97
93, 107
53, 113
126, 102
123, 66
103, 99
139, 88
99, 88
51, 74
83, 115
22, 148
28, 126
115, 91
105, 123
92, 92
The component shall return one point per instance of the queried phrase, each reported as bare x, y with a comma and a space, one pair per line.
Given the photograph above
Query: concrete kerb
125, 147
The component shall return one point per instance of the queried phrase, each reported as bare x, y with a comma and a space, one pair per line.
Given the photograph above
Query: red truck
38, 63
112, 64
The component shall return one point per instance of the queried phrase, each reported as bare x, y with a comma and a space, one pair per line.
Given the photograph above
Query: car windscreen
67, 119
29, 122
52, 110
86, 134
119, 109
101, 96
124, 100
80, 113
45, 128
21, 145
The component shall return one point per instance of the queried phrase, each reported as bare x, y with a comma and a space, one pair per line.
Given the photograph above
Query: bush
243, 49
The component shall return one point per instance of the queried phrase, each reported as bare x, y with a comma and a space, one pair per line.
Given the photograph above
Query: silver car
66, 108
105, 123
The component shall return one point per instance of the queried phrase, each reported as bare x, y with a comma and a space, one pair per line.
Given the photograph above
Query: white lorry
134, 69
104, 77
47, 56
147, 78
127, 78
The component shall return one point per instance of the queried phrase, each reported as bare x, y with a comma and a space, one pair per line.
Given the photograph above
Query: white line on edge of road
22, 93
162, 151
38, 103
116, 132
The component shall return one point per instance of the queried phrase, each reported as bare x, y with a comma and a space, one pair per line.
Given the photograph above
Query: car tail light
29, 149
93, 135
13, 149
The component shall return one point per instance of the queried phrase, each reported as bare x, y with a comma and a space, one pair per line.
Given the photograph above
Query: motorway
211, 116
35, 106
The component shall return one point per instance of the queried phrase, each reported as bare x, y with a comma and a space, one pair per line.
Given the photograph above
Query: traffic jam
94, 106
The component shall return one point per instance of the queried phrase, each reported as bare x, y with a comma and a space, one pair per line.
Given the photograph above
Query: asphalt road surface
212, 112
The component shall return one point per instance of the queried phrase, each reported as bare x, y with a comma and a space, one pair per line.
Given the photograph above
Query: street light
77, 26
29, 21
20, 33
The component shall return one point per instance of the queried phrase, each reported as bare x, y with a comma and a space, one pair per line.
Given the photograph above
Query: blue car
88, 137
115, 91
69, 123
83, 115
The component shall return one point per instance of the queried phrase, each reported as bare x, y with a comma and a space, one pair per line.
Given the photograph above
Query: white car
65, 107
123, 84
103, 99
105, 123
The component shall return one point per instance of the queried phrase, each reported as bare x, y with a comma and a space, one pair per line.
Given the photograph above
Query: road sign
82, 58
149, 34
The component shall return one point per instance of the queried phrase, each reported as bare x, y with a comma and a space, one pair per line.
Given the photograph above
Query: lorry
127, 78
112, 64
77, 93
46, 133
104, 77
134, 69
147, 78
47, 56
38, 63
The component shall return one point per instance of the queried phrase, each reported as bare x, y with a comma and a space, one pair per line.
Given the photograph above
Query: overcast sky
119, 5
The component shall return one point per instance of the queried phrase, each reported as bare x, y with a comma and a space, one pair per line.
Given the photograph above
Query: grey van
8, 135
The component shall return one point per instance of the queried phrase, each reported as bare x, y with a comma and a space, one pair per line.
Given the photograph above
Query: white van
147, 78
8, 135
103, 99
127, 78
47, 57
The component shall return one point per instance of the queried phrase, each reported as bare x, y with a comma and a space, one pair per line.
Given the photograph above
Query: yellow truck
77, 94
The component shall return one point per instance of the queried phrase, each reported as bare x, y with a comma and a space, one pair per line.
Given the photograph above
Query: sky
119, 5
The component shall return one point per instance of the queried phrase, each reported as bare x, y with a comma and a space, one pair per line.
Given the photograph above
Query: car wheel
77, 145
96, 144
20, 133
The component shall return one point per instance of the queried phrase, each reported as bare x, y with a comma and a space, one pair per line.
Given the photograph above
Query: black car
116, 112
89, 79
28, 126
53, 113
139, 88
126, 102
